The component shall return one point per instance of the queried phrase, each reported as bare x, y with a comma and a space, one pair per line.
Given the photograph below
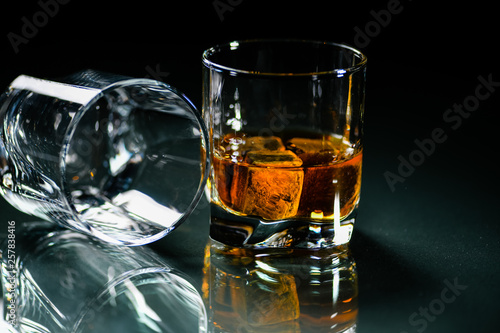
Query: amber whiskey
294, 177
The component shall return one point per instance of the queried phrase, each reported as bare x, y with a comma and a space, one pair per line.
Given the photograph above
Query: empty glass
115, 157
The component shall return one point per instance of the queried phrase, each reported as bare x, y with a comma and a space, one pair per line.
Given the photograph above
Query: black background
440, 224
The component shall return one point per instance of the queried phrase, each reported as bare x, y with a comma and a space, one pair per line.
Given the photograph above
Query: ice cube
319, 186
270, 186
314, 151
318, 192
328, 170
232, 151
234, 147
263, 143
274, 159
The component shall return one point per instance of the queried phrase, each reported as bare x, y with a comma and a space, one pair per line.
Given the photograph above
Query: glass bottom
252, 232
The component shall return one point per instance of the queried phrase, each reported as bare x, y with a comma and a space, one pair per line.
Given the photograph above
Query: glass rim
233, 45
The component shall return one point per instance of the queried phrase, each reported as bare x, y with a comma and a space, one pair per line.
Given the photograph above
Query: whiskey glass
115, 157
286, 134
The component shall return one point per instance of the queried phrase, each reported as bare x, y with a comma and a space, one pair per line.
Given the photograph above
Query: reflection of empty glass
286, 130
108, 155
69, 282
249, 291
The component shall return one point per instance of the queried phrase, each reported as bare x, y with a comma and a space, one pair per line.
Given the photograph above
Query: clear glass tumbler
286, 126
115, 157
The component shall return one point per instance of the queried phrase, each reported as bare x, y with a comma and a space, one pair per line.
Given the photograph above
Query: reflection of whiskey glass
251, 290
286, 127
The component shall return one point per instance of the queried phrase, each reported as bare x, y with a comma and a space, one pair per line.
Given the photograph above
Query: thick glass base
252, 232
